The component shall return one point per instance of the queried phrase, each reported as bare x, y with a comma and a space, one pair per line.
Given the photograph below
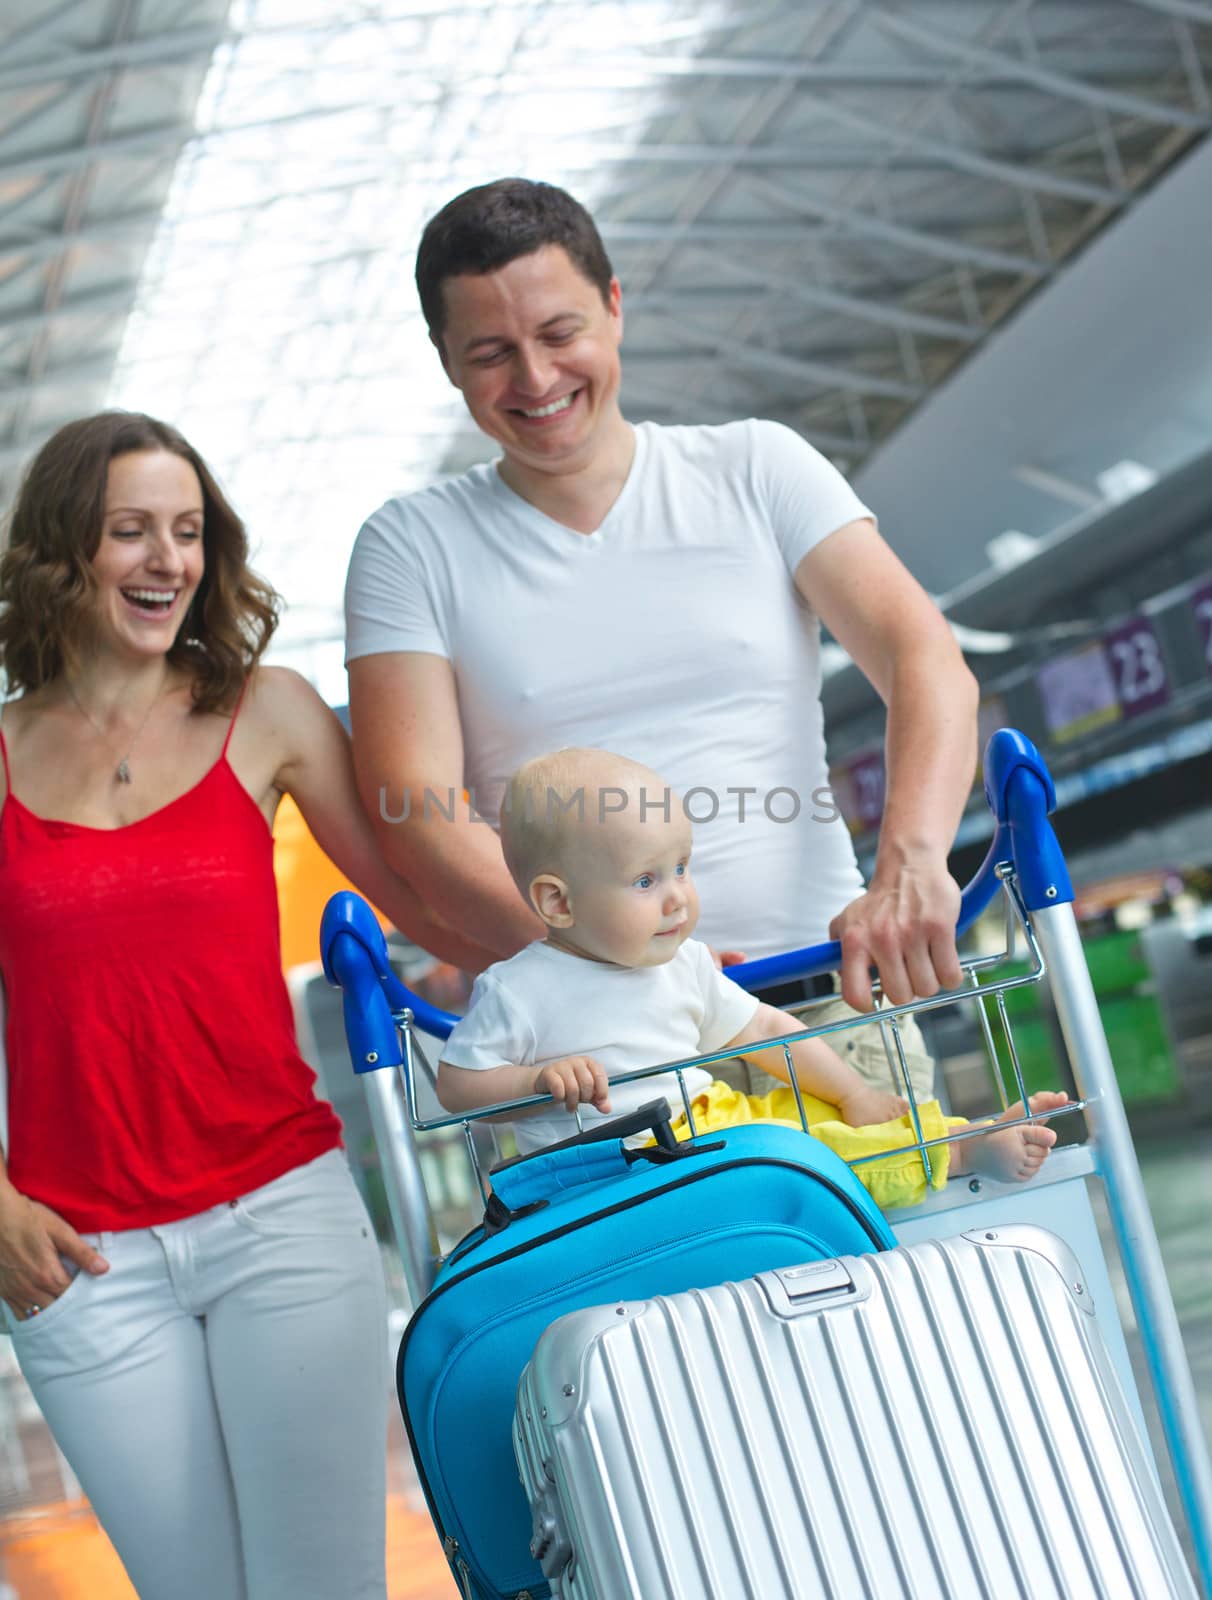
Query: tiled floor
57, 1551
60, 1554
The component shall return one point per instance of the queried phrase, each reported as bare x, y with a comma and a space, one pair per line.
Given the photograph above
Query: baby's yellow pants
898, 1179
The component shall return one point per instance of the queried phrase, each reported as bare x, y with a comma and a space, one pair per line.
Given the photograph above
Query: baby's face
632, 898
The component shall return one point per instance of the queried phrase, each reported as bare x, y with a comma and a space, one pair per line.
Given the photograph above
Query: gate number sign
1137, 665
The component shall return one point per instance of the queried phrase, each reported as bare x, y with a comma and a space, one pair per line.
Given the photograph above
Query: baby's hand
726, 958
866, 1105
574, 1080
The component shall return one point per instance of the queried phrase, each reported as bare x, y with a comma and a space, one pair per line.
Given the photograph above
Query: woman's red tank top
152, 1064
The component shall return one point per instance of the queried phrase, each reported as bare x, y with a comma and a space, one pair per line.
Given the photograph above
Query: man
650, 590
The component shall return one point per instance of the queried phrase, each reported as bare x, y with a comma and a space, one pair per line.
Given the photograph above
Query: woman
192, 1286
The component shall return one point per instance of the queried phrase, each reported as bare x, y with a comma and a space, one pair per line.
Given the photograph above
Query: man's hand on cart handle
33, 1238
904, 926
573, 1081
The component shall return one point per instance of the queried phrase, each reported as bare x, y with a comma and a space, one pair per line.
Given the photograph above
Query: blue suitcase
582, 1224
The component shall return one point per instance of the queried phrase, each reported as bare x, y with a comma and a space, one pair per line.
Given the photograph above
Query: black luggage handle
654, 1117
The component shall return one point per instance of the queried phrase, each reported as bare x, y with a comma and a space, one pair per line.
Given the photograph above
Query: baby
600, 847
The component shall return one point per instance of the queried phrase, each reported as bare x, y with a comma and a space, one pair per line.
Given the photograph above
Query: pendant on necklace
123, 772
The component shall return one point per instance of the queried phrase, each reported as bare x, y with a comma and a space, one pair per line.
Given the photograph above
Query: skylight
277, 322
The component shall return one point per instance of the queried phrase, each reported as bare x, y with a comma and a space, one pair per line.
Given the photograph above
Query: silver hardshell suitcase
934, 1421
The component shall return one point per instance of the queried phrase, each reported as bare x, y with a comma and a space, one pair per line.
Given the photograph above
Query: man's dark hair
485, 228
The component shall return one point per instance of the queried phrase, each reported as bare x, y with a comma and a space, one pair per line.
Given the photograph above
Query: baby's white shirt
545, 1003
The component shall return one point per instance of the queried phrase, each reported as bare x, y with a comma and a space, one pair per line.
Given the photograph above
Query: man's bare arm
896, 635
407, 738
288, 721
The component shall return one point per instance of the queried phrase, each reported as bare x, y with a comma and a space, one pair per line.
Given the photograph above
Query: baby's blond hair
549, 802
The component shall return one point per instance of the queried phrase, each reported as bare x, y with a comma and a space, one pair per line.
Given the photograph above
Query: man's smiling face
535, 352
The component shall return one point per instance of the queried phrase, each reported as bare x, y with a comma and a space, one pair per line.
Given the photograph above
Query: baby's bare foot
1011, 1155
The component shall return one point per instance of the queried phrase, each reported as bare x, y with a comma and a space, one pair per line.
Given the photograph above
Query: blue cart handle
1020, 793
1018, 788
354, 953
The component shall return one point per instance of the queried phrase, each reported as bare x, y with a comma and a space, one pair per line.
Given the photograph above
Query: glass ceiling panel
277, 322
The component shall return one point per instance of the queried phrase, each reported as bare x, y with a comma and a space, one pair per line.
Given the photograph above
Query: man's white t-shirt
544, 1004
673, 635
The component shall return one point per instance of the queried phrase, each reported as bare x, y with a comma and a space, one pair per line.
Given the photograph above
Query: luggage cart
1024, 863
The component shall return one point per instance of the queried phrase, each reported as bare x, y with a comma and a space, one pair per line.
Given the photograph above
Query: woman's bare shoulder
19, 716
282, 721
16, 718
275, 692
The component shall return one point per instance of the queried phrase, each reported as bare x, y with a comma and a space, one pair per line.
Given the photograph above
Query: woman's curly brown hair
47, 585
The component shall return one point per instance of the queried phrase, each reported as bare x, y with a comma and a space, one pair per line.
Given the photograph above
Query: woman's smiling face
149, 561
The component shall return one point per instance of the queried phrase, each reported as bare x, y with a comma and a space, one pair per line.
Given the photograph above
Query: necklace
122, 772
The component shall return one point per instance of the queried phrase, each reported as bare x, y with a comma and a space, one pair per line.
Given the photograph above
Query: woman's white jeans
221, 1393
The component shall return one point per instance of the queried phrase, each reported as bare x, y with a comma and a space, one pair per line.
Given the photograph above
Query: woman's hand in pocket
33, 1238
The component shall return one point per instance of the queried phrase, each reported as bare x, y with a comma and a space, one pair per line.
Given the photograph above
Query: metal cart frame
1025, 862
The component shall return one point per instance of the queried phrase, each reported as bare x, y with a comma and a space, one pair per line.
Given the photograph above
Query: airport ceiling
820, 212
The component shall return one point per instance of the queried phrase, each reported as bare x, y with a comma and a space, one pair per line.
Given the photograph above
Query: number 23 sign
1137, 665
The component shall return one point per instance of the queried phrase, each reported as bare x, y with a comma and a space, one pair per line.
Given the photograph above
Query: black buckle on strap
498, 1216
